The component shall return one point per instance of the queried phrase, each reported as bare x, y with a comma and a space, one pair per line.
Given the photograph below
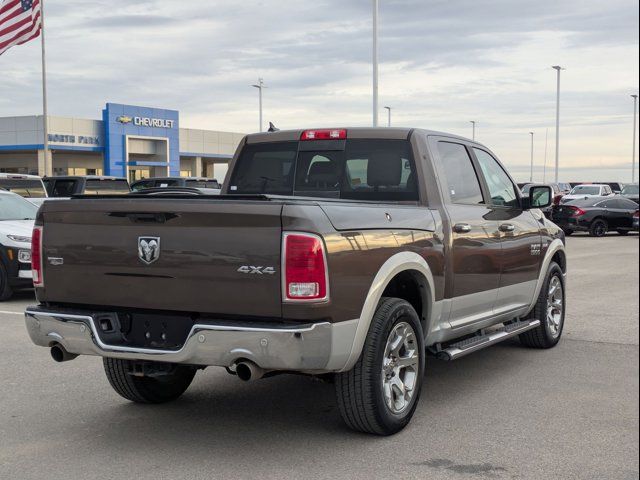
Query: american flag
19, 22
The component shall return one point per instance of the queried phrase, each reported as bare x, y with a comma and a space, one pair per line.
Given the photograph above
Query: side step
473, 344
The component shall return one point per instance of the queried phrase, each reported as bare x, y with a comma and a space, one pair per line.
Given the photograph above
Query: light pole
473, 129
388, 116
375, 63
544, 170
633, 155
531, 174
557, 68
260, 86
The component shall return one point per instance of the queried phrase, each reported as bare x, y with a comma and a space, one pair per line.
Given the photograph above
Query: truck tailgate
101, 252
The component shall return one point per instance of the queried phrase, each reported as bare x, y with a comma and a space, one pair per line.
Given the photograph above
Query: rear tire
550, 310
380, 393
623, 232
598, 228
5, 290
159, 389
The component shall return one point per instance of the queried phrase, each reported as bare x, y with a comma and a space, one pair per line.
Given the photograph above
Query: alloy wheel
555, 307
400, 367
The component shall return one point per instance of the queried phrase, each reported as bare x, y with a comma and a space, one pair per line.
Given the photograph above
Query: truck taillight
637, 213
325, 134
36, 257
305, 268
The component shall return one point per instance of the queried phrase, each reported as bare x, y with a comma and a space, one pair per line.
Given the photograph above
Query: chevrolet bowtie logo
124, 119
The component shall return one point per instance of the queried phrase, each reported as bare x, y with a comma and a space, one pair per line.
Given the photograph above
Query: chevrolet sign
146, 121
153, 122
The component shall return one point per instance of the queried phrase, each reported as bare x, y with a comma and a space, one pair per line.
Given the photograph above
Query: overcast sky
442, 63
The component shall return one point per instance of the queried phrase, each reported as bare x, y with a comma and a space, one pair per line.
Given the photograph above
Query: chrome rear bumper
310, 347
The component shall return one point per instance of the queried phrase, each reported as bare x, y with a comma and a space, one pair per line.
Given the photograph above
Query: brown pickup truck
349, 254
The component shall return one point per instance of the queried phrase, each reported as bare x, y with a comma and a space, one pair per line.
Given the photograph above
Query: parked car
557, 195
162, 182
565, 187
615, 186
27, 186
587, 191
90, 185
16, 224
340, 253
630, 191
596, 215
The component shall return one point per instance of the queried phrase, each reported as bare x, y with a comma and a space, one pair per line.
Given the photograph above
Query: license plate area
143, 330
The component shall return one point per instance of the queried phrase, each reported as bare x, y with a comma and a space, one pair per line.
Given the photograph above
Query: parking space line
8, 312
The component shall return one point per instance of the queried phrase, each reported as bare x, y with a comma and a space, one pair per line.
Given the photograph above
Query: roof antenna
273, 128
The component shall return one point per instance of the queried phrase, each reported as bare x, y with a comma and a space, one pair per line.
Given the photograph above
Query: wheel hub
555, 307
400, 367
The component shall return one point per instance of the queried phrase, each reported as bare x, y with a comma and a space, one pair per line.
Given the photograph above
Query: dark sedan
596, 215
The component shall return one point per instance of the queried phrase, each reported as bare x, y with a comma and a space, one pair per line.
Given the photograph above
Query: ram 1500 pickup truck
349, 254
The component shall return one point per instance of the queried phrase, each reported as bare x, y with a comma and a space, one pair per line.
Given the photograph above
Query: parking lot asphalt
506, 412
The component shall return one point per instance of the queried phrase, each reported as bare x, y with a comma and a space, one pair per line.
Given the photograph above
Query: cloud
442, 63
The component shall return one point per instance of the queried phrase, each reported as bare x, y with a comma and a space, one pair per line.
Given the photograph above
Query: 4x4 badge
257, 270
148, 249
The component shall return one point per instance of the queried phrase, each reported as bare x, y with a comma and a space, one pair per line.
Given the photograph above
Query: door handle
507, 227
462, 228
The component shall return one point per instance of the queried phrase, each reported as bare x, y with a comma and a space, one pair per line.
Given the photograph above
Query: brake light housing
305, 276
36, 257
324, 134
576, 211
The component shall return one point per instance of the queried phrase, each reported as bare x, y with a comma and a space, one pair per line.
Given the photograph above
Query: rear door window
461, 178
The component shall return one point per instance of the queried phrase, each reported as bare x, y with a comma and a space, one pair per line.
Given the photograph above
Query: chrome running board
473, 344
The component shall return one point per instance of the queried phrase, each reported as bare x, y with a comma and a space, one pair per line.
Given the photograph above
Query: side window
461, 178
501, 188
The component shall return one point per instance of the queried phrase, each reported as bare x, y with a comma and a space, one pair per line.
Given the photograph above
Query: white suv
17, 216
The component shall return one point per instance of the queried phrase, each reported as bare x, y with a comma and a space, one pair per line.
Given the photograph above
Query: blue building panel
122, 120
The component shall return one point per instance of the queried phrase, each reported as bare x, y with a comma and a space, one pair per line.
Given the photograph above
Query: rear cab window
30, 188
356, 169
106, 187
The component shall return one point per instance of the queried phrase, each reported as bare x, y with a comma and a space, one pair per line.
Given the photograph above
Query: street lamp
557, 68
473, 129
633, 155
260, 86
531, 174
375, 63
388, 116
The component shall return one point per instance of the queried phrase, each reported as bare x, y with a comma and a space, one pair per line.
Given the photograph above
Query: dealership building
130, 141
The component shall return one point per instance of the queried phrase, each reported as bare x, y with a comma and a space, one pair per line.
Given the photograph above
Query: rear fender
396, 264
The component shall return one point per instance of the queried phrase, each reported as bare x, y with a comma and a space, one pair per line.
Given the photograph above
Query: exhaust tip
59, 354
247, 371
243, 371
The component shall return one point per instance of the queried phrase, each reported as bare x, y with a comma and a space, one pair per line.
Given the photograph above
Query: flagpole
46, 167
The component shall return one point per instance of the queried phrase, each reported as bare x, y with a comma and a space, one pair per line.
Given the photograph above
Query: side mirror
540, 196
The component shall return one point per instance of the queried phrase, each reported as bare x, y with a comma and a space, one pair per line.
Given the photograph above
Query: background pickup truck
348, 254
